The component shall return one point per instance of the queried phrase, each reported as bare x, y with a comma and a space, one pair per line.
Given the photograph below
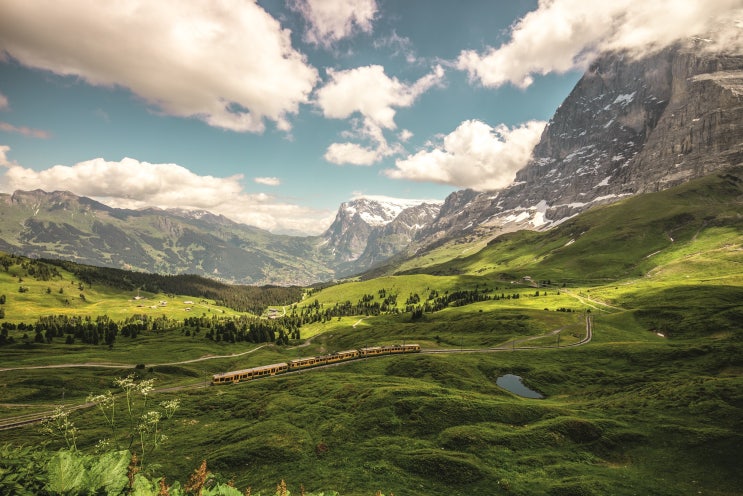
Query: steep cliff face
366, 231
393, 238
629, 126
701, 129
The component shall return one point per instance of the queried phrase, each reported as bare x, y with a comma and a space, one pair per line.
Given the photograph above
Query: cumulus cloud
132, 184
368, 91
4, 160
226, 62
25, 131
475, 155
353, 154
332, 20
268, 181
3, 102
405, 135
562, 35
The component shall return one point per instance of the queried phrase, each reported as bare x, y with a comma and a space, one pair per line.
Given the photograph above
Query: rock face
395, 237
628, 127
368, 231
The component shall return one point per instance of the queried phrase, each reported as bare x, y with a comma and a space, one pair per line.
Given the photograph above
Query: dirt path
590, 302
128, 365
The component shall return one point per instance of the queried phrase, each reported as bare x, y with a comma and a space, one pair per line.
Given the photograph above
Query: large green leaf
67, 473
221, 490
109, 472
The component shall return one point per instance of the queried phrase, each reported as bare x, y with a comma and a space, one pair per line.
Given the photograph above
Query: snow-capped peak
380, 210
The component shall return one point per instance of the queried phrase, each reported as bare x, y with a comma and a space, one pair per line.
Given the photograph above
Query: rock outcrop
629, 126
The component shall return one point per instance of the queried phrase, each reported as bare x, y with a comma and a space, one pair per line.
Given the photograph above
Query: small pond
513, 384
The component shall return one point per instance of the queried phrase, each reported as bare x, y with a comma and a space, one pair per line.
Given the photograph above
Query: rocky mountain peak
364, 220
629, 126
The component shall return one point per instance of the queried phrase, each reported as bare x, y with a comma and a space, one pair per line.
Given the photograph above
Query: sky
273, 112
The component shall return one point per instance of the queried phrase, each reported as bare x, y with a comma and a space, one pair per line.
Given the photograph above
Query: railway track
35, 418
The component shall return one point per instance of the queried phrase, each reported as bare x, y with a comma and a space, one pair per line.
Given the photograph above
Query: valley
592, 256
660, 378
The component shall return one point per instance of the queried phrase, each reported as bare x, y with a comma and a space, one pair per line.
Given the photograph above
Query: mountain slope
366, 232
62, 225
65, 226
628, 127
699, 222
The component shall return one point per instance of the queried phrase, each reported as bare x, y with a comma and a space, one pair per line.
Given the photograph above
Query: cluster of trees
104, 330
386, 302
32, 268
242, 328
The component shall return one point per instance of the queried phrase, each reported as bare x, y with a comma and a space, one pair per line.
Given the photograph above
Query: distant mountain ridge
628, 127
368, 231
63, 225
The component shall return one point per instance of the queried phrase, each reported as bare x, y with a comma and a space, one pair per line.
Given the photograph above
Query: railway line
516, 345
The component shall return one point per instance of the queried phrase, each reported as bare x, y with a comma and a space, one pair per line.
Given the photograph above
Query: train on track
302, 363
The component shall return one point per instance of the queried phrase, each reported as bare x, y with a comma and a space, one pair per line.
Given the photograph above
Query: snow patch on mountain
381, 210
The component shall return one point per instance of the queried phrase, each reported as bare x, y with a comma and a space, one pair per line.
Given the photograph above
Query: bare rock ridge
367, 231
628, 127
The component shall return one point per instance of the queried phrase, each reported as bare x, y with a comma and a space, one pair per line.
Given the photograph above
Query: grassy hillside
652, 405
699, 222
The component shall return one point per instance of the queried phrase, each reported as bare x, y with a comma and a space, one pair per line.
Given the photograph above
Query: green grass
633, 412
614, 415
64, 295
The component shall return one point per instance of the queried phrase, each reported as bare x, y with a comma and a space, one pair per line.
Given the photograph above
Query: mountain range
628, 127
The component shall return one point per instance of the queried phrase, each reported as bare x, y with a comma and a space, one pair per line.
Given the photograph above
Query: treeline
31, 268
253, 299
102, 330
386, 302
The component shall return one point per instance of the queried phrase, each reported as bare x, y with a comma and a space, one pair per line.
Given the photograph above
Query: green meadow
651, 405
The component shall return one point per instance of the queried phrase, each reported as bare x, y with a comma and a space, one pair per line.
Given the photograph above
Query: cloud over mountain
563, 35
474, 155
132, 184
374, 95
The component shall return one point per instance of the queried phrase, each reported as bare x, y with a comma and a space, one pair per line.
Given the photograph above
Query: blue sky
274, 112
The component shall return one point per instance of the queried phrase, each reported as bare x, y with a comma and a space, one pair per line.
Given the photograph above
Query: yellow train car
389, 349
247, 374
300, 363
343, 355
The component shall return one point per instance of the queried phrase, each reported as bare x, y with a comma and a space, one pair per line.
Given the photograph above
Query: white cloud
3, 102
132, 184
332, 20
187, 59
352, 153
4, 160
562, 35
400, 46
405, 135
268, 181
474, 155
25, 131
370, 92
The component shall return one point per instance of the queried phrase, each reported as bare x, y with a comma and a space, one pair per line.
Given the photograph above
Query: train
237, 376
